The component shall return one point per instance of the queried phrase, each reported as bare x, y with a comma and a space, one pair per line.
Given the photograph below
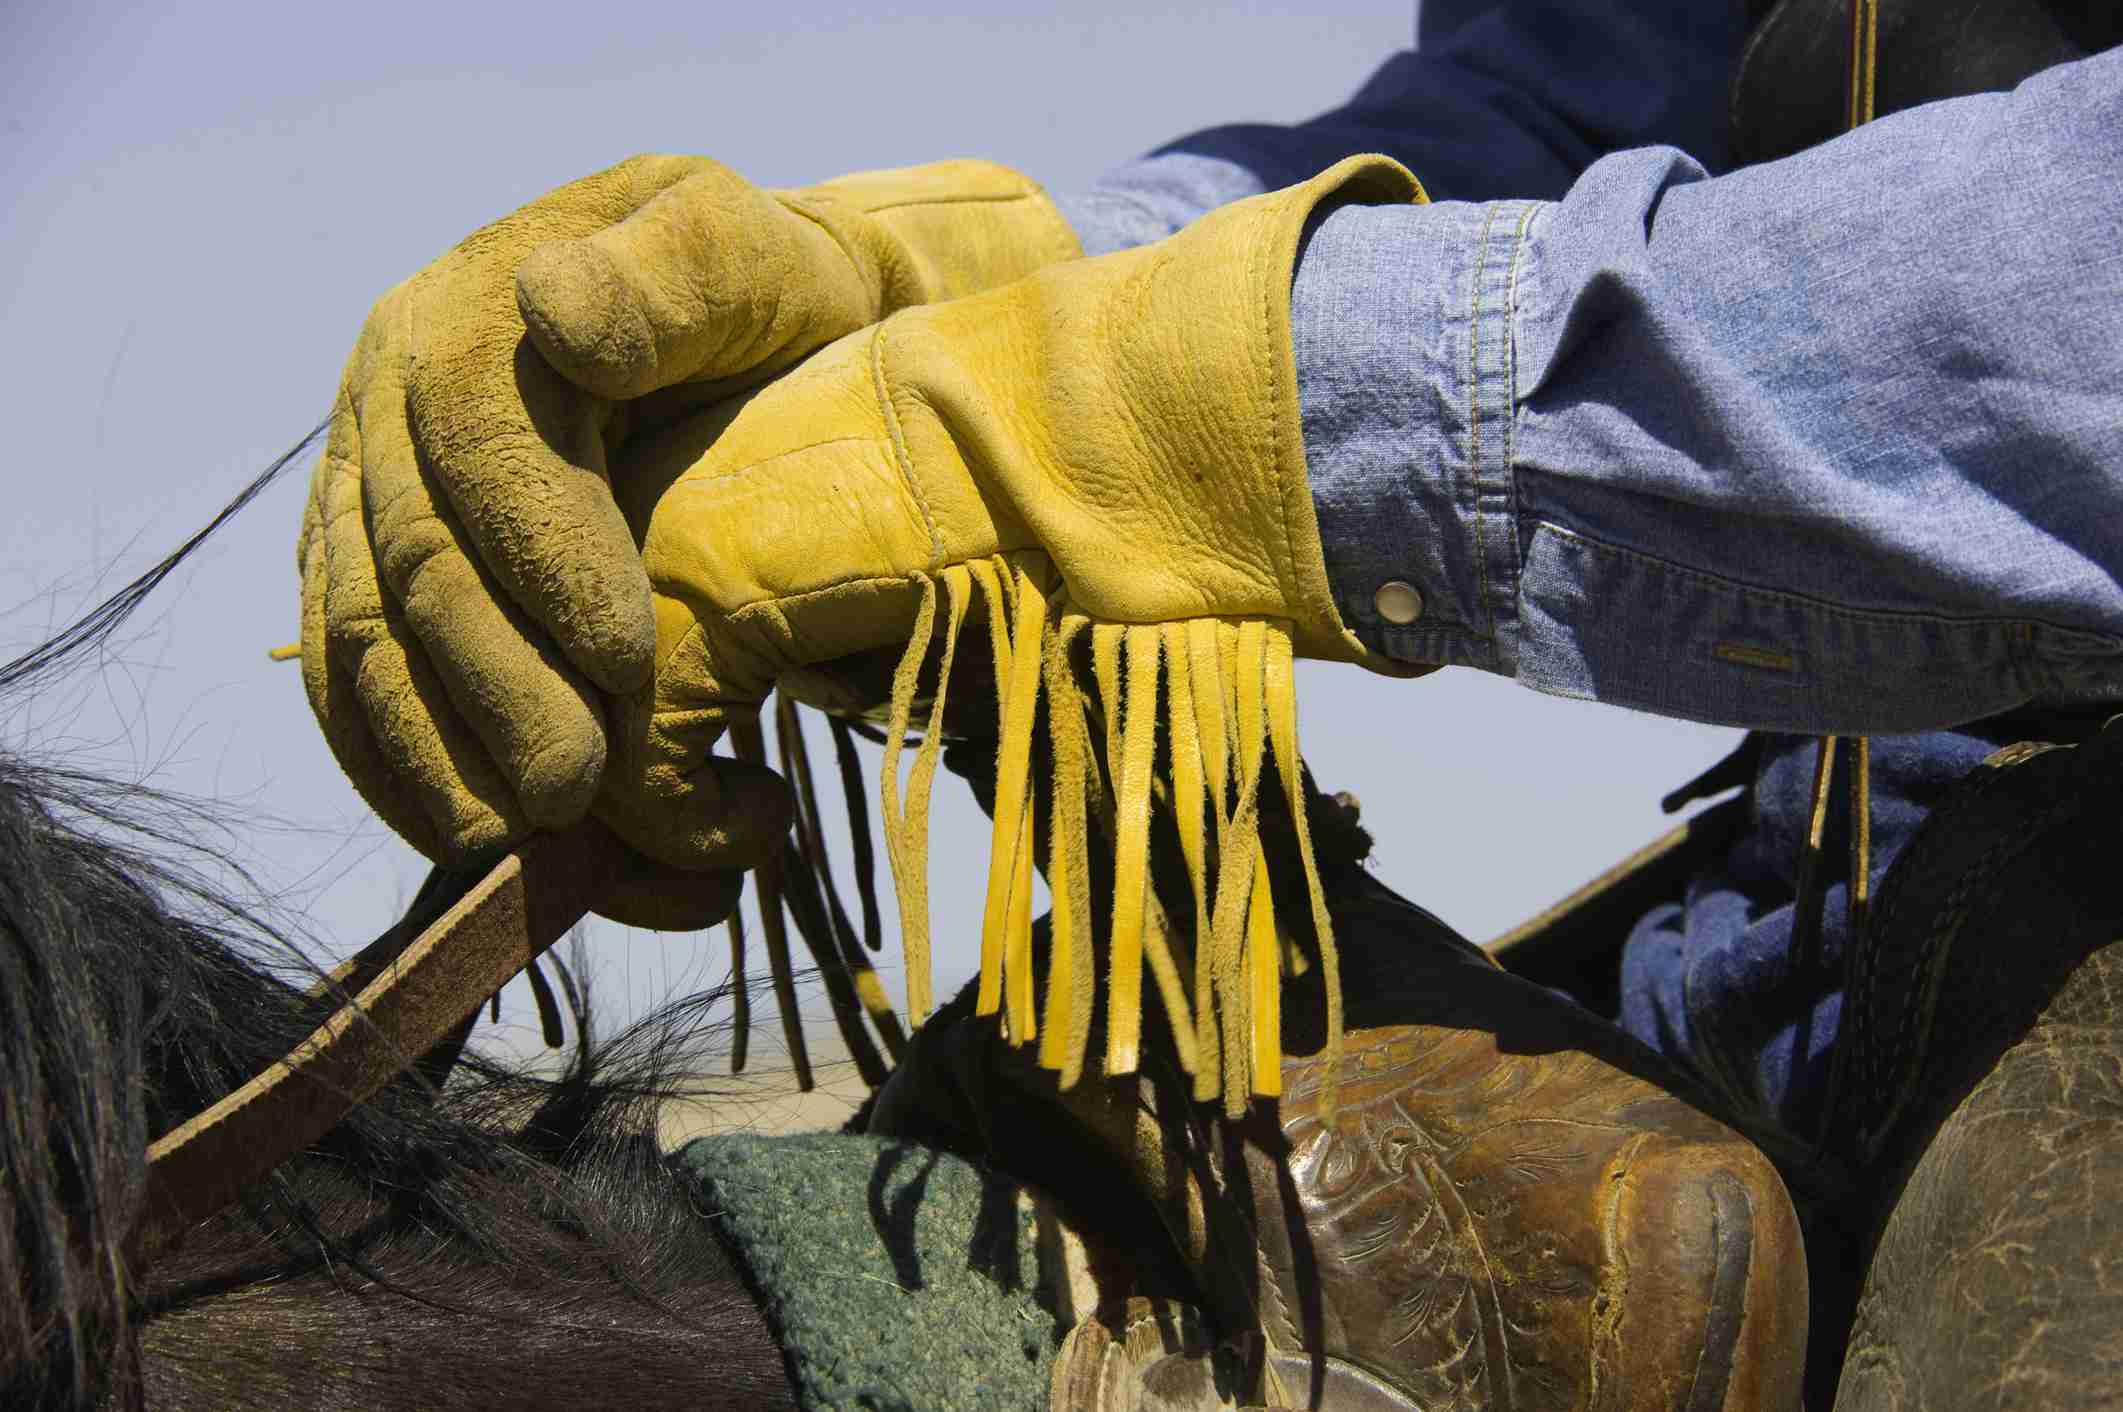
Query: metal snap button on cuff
1398, 602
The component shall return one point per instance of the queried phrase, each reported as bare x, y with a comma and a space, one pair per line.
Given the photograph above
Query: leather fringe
1224, 693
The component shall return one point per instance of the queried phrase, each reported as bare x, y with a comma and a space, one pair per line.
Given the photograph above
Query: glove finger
387, 719
337, 709
712, 279
666, 899
537, 721
693, 811
649, 895
518, 454
667, 793
309, 540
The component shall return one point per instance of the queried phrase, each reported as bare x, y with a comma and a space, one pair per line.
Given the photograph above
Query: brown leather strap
407, 1003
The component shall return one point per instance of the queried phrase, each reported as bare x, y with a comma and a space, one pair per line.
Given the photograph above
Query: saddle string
858, 809
740, 991
748, 742
548, 1010
800, 896
852, 984
1806, 921
1860, 899
1864, 60
906, 817
1864, 84
1811, 889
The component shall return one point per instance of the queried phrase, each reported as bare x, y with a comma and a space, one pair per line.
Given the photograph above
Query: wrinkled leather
1995, 1284
1133, 418
1489, 1228
1510, 1208
716, 278
1982, 1092
472, 596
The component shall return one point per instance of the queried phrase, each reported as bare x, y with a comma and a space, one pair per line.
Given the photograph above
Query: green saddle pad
895, 1276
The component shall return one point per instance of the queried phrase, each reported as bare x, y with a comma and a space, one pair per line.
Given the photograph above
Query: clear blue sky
204, 200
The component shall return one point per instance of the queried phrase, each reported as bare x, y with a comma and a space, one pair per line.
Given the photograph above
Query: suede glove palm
1109, 444
471, 593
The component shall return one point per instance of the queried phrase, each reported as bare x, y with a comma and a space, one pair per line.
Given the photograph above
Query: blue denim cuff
1152, 198
1401, 321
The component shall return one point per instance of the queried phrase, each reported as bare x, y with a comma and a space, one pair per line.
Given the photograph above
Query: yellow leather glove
1110, 444
471, 593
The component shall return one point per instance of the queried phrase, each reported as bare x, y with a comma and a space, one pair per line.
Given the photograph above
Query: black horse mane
492, 1239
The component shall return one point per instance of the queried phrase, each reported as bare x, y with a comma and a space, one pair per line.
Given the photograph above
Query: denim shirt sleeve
1497, 99
1830, 444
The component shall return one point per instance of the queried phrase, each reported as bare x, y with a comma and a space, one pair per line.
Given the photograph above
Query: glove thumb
712, 278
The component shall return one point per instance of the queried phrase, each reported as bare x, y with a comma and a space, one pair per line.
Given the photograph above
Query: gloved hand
1109, 442
470, 590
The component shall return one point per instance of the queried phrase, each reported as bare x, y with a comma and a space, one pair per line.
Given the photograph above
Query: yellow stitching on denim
1474, 422
1511, 389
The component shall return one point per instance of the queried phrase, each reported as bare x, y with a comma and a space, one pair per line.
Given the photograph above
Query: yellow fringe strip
1071, 976
1282, 729
1238, 649
1164, 966
1189, 799
1131, 789
1002, 861
906, 829
1157, 935
1006, 929
1228, 700
1138, 931
1027, 663
997, 608
1206, 678
1263, 1032
1263, 953
1020, 1027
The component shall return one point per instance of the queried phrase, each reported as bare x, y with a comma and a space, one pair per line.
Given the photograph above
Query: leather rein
404, 994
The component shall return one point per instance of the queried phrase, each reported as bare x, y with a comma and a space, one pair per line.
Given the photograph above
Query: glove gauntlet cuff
1167, 387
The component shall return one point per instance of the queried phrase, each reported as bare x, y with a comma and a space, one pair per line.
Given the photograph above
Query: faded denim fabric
1820, 445
1830, 444
1495, 100
1709, 979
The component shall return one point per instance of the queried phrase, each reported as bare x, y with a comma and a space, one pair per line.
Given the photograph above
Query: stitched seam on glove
968, 199
1269, 370
883, 389
868, 272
